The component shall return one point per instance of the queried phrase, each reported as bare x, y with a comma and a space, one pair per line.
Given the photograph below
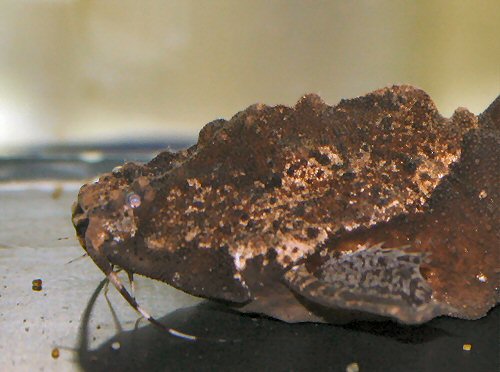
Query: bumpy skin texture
377, 205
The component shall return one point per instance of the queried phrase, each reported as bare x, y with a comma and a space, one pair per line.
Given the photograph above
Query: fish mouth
80, 221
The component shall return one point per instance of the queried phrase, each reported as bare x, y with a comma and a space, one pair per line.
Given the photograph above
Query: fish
375, 208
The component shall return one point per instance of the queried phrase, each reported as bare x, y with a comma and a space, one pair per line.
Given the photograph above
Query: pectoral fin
376, 280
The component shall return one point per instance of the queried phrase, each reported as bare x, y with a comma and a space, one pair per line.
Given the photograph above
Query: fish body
375, 207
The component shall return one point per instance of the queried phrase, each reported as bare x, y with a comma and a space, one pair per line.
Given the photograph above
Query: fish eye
133, 200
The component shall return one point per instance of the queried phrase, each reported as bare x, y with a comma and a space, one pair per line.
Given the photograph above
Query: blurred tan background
106, 70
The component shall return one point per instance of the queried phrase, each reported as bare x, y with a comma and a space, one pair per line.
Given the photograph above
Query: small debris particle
352, 367
467, 347
58, 191
115, 345
36, 285
483, 194
55, 353
482, 278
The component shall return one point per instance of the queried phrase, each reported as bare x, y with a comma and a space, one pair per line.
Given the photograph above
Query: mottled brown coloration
377, 205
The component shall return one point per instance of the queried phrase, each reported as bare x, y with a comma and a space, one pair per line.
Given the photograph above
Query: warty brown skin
377, 205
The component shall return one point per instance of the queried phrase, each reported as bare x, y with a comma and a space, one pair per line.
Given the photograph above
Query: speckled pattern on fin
378, 280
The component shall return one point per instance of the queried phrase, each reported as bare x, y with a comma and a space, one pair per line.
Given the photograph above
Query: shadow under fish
259, 344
